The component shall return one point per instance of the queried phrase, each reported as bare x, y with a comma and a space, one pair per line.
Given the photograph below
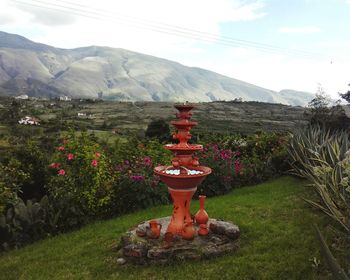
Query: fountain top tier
183, 126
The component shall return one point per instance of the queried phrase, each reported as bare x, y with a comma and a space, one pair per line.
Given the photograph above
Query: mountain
40, 70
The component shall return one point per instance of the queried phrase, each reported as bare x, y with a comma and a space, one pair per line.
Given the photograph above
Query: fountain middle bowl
182, 180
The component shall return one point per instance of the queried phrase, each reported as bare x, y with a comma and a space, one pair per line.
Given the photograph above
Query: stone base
222, 239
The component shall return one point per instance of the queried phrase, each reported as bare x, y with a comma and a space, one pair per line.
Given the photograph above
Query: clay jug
188, 231
202, 215
155, 227
203, 230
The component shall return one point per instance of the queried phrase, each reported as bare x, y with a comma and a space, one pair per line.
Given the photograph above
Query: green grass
277, 242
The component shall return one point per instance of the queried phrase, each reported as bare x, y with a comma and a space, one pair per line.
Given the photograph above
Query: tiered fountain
181, 236
184, 175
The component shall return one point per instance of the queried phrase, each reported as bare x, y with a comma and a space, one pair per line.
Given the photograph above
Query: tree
345, 96
330, 117
159, 129
320, 107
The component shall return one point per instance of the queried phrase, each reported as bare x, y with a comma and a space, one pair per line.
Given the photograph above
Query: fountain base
222, 239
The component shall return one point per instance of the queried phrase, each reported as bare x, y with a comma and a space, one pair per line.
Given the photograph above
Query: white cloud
303, 29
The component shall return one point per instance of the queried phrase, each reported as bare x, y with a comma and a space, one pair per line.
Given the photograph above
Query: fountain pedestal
181, 212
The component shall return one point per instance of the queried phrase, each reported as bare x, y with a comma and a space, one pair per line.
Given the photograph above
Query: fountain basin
187, 149
184, 180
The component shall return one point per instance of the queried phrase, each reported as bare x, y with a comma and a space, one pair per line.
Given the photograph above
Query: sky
290, 44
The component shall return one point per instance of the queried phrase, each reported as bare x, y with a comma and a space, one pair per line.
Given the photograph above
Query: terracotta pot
188, 231
201, 216
155, 227
203, 230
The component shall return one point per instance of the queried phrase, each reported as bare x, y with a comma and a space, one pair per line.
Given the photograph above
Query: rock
225, 228
141, 230
121, 261
222, 239
159, 253
233, 233
135, 250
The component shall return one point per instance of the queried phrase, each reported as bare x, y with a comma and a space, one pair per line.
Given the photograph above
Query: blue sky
295, 44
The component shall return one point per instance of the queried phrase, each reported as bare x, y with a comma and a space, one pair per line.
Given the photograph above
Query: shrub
82, 179
11, 180
32, 161
159, 129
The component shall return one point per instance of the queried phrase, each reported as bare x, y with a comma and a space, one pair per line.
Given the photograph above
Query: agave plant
23, 222
323, 158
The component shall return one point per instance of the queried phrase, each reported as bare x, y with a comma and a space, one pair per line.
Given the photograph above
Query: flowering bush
82, 178
226, 165
137, 186
238, 160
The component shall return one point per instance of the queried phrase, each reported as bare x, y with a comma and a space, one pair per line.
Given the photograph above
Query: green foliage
11, 180
33, 161
323, 158
337, 271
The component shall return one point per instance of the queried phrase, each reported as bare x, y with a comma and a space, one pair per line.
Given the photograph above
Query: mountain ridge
109, 73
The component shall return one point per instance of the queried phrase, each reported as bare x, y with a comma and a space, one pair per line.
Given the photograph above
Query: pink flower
225, 154
137, 178
147, 161
70, 156
60, 148
61, 172
65, 141
238, 166
97, 154
94, 162
54, 165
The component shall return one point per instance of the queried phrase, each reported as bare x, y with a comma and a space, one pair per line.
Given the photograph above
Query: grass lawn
278, 241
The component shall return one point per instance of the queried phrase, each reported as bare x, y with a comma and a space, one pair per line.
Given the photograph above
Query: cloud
6, 19
46, 16
303, 29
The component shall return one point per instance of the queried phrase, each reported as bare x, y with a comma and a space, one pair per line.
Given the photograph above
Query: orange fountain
184, 175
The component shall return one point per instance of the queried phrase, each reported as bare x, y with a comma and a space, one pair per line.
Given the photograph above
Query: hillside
117, 74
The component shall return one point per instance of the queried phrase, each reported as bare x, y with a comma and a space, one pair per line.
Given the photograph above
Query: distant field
242, 117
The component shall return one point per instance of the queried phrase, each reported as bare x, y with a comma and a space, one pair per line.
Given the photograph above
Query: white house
65, 98
29, 121
23, 96
82, 115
